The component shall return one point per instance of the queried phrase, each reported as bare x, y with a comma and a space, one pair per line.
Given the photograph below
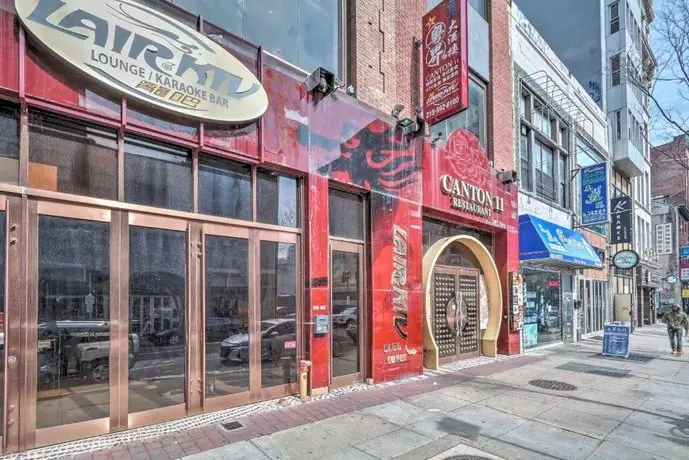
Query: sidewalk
597, 408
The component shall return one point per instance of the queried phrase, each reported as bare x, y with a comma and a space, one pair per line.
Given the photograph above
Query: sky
665, 92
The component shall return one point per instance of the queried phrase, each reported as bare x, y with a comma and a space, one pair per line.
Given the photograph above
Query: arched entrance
458, 308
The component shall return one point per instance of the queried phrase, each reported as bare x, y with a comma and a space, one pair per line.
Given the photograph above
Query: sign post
594, 194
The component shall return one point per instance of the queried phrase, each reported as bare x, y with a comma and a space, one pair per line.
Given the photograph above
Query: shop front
469, 243
186, 226
592, 307
549, 255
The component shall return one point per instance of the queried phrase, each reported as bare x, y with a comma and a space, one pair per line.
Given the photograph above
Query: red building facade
117, 232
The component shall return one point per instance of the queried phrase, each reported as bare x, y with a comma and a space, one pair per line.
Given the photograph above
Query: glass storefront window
157, 175
278, 313
346, 212
346, 284
71, 157
303, 32
157, 304
278, 199
227, 315
9, 145
225, 188
473, 119
543, 309
73, 330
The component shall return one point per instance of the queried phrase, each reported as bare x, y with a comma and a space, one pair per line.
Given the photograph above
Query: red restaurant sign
445, 60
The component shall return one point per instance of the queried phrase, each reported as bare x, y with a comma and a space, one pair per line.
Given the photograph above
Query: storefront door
347, 319
454, 296
134, 319
249, 315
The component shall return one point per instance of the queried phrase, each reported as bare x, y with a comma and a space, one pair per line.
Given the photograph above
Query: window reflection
473, 119
346, 215
227, 315
157, 175
70, 157
156, 315
9, 145
278, 199
278, 313
346, 312
73, 321
225, 188
305, 33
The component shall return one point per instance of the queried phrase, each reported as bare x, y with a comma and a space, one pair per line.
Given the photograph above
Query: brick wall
668, 178
372, 44
500, 100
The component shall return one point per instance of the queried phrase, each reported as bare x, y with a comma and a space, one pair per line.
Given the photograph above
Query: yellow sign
147, 55
685, 293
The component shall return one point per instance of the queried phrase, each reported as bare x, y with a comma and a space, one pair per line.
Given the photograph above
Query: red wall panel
9, 51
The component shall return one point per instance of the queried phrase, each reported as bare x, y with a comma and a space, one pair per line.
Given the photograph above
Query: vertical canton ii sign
445, 60
594, 194
142, 53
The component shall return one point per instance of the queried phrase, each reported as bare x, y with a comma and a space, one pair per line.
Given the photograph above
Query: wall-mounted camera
322, 81
507, 176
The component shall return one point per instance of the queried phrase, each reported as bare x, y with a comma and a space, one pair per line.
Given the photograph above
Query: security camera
397, 110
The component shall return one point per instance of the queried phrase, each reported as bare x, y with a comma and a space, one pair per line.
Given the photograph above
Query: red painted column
316, 281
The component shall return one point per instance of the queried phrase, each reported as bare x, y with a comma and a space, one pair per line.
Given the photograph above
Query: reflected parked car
274, 335
77, 349
346, 317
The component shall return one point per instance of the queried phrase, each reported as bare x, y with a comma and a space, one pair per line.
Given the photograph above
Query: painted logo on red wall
445, 60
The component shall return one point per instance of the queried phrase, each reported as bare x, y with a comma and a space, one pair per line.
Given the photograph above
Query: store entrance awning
549, 243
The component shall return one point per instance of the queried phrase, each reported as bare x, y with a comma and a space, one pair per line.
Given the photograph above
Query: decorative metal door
456, 312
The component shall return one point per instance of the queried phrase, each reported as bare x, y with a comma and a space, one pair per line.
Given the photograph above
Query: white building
560, 129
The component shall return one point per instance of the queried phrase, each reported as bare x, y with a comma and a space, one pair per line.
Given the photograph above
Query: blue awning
543, 241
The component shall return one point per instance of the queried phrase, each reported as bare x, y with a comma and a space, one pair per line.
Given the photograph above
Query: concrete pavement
633, 408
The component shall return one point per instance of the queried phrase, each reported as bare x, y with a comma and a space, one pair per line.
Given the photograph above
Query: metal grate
468, 339
637, 357
552, 385
233, 425
595, 370
444, 291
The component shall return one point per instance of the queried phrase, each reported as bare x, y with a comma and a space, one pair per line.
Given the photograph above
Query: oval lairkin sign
147, 55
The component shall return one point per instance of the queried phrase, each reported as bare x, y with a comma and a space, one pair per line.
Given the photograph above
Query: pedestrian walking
677, 322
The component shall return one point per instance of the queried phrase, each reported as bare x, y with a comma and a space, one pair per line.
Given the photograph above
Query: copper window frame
44, 436
163, 414
258, 392
358, 248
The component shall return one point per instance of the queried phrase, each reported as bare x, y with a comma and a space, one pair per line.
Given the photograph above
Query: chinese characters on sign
664, 239
517, 300
621, 211
616, 340
594, 194
445, 60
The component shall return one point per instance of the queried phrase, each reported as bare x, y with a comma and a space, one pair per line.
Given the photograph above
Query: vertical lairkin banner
594, 194
445, 60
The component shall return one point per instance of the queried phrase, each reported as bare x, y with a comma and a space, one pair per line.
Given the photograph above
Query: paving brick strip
203, 438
